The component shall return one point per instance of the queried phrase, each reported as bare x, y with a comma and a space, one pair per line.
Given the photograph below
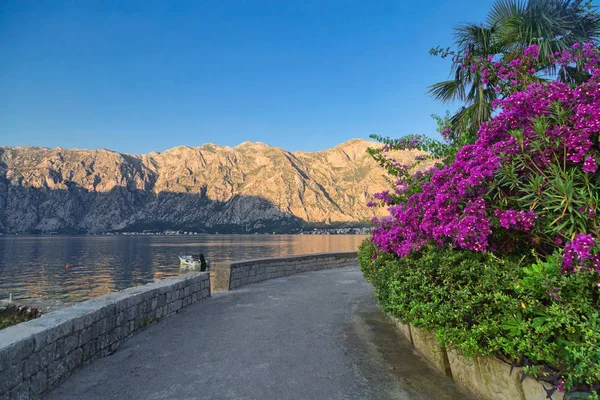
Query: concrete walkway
317, 335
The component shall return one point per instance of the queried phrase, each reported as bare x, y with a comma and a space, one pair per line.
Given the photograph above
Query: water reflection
36, 266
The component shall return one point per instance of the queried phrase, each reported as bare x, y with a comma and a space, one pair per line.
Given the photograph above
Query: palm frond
511, 26
447, 91
503, 10
459, 122
477, 39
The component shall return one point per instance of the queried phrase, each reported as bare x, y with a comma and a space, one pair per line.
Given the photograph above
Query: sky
141, 76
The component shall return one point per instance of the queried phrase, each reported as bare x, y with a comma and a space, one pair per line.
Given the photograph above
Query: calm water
35, 266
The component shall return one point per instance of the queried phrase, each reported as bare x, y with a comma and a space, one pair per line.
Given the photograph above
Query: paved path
317, 335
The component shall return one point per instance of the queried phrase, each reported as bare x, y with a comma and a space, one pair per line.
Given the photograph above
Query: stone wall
487, 378
232, 275
426, 343
37, 354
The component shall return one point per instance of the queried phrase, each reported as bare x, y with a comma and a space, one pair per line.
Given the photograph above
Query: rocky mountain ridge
251, 187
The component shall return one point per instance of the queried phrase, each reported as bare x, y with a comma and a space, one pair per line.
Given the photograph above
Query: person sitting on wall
203, 263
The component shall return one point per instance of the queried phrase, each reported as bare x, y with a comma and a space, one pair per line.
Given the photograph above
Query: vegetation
12, 315
511, 26
497, 247
527, 313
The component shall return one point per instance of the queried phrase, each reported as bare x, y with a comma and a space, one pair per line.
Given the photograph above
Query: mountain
251, 187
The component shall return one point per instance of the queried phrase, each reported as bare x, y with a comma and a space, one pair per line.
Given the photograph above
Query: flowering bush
529, 179
526, 186
523, 311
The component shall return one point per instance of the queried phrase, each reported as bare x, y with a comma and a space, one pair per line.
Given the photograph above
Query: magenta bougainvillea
530, 177
578, 254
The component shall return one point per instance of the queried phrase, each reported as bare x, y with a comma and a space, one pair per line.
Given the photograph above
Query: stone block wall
232, 275
36, 355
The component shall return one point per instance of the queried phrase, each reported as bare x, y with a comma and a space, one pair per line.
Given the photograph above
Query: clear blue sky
138, 76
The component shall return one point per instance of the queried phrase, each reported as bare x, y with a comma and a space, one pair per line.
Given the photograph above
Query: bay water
76, 268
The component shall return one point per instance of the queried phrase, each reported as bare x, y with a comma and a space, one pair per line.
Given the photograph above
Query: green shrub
521, 310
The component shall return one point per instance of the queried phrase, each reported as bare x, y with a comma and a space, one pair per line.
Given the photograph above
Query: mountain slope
250, 187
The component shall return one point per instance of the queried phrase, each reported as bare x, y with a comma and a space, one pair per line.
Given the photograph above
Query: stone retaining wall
486, 377
425, 342
37, 354
232, 275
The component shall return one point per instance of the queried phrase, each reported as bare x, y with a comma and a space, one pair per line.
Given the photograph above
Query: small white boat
189, 261
195, 261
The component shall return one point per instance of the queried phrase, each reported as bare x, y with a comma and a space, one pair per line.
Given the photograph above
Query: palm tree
511, 26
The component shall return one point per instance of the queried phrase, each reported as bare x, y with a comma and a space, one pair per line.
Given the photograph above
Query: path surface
317, 335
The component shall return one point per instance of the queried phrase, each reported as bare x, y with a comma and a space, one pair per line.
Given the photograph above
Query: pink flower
590, 165
520, 220
578, 251
452, 203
